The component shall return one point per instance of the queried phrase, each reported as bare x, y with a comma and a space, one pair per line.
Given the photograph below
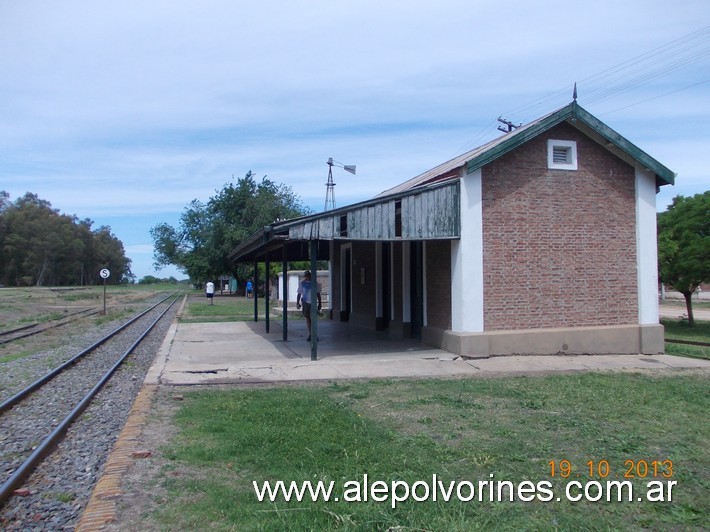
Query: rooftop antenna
574, 92
330, 185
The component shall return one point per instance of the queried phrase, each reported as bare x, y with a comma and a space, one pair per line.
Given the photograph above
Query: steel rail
41, 327
37, 324
687, 342
19, 396
44, 448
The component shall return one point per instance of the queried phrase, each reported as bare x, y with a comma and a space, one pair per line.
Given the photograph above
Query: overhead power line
658, 63
656, 97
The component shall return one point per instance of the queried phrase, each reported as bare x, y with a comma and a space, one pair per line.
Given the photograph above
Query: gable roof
572, 114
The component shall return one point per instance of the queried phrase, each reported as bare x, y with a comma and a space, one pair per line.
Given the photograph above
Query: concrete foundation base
618, 339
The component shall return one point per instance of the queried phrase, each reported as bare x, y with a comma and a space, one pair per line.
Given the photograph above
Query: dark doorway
346, 285
385, 288
417, 288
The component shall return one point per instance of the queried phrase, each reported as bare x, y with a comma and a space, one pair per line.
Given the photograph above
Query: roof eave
664, 175
257, 240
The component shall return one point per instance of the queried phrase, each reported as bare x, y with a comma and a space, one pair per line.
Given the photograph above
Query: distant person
209, 292
249, 289
304, 293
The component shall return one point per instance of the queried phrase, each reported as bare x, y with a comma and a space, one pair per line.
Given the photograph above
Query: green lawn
501, 429
679, 330
224, 308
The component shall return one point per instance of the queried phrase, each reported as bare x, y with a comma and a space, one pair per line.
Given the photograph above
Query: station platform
243, 353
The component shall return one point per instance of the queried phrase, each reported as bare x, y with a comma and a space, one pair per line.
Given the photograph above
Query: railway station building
542, 241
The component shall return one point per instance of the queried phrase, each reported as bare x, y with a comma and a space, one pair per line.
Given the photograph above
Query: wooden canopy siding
429, 214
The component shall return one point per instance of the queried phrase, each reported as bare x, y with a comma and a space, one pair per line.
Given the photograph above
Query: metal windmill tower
330, 185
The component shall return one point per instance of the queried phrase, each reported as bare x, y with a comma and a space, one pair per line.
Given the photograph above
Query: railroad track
35, 328
687, 342
34, 420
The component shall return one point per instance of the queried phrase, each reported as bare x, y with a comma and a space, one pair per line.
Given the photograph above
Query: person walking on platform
209, 291
304, 293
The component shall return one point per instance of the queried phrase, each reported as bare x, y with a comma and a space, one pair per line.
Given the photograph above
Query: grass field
679, 330
650, 427
225, 308
26, 305
505, 429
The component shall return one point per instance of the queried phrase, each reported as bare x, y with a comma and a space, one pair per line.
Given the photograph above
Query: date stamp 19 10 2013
631, 469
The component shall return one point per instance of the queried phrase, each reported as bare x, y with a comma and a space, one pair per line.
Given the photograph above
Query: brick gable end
559, 247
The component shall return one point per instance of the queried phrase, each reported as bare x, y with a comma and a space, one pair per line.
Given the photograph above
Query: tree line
39, 246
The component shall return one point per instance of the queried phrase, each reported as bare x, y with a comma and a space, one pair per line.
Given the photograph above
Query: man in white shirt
209, 291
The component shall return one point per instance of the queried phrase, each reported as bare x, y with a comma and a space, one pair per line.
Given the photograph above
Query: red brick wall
559, 247
438, 283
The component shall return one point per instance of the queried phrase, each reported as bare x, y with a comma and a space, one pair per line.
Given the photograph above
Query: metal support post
314, 299
255, 291
284, 293
266, 294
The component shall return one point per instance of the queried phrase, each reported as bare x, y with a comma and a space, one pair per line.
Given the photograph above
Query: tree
684, 245
186, 246
209, 232
40, 246
110, 254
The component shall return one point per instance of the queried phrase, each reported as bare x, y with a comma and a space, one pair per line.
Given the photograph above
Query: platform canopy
426, 213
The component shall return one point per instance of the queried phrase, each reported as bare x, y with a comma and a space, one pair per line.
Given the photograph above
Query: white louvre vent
562, 154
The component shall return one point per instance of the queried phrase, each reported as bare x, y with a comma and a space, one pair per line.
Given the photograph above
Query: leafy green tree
34, 235
186, 246
207, 233
684, 245
110, 254
39, 245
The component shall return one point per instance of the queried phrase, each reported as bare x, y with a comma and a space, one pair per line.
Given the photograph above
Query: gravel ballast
61, 486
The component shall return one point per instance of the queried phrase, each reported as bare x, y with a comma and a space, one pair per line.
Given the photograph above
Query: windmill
330, 185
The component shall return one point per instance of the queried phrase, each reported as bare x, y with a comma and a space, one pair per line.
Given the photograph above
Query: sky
124, 112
